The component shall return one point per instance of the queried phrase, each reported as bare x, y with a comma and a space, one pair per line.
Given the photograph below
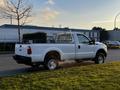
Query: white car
68, 46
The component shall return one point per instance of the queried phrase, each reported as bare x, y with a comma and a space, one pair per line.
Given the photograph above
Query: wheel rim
52, 64
100, 59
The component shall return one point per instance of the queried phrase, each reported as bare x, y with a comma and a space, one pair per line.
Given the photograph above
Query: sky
74, 13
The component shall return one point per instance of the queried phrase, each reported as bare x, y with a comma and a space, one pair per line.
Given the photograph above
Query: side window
83, 39
64, 38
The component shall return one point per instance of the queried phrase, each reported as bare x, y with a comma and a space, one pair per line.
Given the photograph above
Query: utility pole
11, 19
115, 20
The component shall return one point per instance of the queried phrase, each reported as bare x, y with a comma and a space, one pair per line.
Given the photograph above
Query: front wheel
100, 58
51, 64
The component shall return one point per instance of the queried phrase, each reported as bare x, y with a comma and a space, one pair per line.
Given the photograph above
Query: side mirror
92, 41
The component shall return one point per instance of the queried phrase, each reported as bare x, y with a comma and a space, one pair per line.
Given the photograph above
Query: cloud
50, 2
2, 3
104, 21
49, 14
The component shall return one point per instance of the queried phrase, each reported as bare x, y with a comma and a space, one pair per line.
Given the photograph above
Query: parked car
68, 46
112, 44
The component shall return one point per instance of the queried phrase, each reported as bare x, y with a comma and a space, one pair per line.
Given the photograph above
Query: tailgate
21, 49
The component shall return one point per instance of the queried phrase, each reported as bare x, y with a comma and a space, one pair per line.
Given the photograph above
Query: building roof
39, 27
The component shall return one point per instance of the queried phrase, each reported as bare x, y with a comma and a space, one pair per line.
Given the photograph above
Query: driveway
9, 67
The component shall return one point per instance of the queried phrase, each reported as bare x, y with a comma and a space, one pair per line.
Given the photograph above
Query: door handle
78, 46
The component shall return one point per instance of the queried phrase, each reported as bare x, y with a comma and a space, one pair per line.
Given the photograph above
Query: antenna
11, 19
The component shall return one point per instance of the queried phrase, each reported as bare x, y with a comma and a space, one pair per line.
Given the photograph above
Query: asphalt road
113, 55
9, 67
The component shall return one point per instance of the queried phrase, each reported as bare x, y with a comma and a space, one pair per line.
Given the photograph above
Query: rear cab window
65, 38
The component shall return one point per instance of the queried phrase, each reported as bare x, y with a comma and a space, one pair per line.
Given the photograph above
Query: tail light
29, 50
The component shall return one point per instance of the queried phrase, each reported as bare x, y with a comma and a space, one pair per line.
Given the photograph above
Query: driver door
83, 47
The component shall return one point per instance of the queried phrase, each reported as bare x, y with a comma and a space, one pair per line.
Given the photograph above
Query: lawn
90, 77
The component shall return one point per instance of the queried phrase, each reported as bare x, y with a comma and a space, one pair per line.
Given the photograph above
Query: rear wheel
100, 58
51, 64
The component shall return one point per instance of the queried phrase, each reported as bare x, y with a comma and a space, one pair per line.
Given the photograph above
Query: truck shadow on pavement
23, 70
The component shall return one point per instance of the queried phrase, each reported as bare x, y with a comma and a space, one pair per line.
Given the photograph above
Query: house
114, 35
9, 33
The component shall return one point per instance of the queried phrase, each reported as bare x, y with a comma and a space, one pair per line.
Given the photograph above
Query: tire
100, 58
51, 64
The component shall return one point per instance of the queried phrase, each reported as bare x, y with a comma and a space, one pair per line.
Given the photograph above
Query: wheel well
54, 54
102, 51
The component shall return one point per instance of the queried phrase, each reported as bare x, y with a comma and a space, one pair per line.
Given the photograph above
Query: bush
7, 46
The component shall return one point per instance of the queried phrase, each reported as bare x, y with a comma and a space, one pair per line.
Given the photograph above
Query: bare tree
18, 10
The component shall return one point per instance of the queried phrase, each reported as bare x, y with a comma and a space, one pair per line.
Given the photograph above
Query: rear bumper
22, 59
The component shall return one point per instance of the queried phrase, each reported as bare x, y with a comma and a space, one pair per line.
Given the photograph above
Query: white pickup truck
67, 46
